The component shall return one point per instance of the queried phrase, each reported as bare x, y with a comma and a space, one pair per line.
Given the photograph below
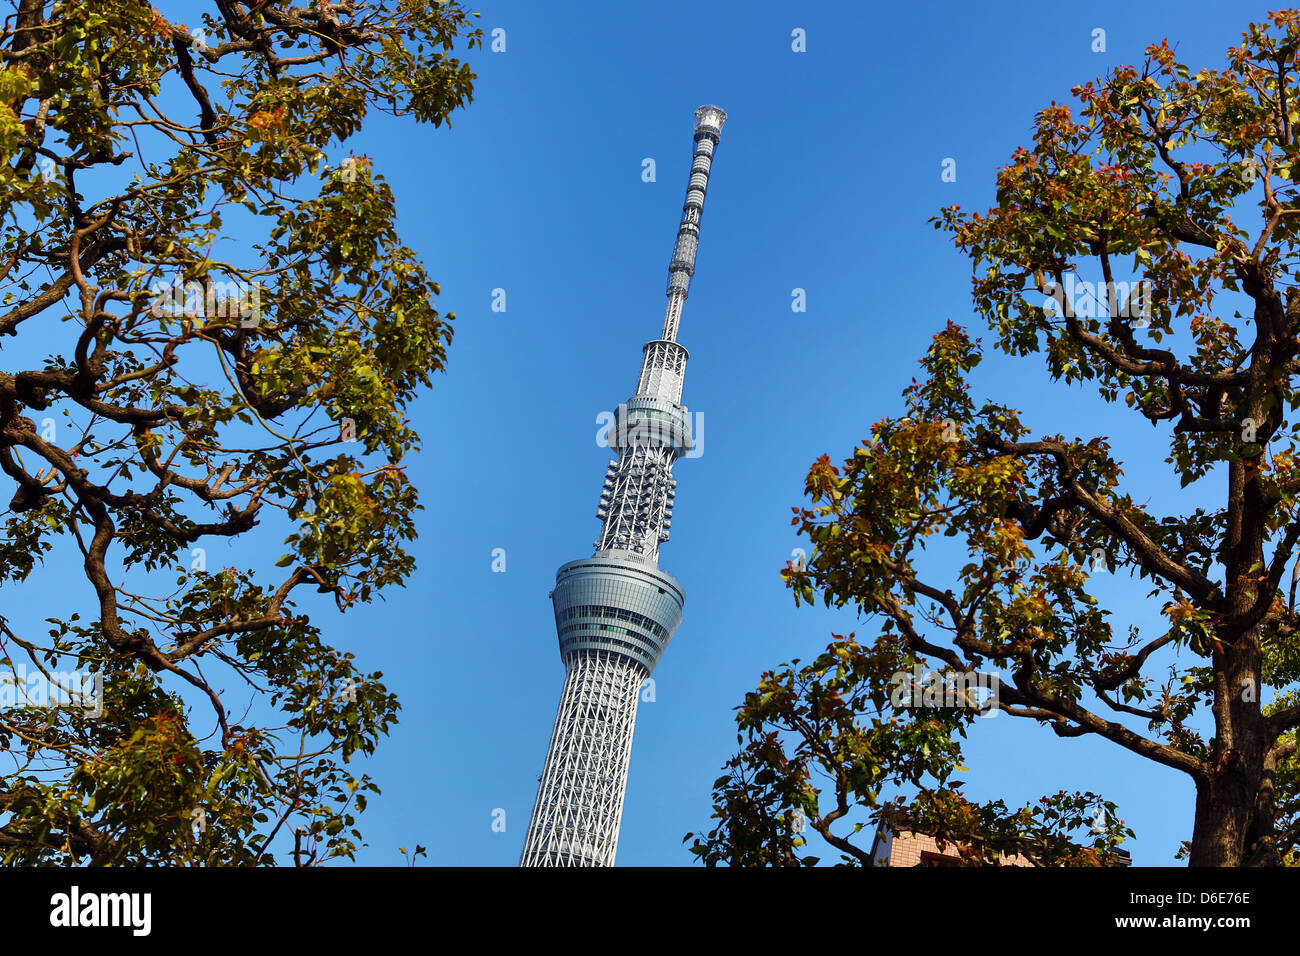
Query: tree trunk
1227, 796
1232, 814
1224, 808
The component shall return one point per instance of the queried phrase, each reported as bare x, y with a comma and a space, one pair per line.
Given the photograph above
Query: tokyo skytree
616, 611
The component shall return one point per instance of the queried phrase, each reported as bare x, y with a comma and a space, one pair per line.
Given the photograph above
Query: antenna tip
713, 116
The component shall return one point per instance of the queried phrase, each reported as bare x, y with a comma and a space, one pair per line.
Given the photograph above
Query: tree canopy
1145, 245
231, 331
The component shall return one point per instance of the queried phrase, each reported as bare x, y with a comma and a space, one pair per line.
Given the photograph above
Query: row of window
614, 628
657, 414
639, 651
615, 613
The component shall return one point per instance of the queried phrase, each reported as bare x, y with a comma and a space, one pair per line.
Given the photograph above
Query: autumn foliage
1180, 182
215, 332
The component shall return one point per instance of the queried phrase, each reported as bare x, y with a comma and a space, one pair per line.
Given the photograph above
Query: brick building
920, 849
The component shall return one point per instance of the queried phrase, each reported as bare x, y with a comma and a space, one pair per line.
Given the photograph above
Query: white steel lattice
663, 371
640, 512
580, 799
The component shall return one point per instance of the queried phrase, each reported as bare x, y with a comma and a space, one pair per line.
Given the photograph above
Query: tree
1143, 192
232, 330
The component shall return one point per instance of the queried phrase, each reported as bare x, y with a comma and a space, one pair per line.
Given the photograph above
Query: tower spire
616, 611
708, 130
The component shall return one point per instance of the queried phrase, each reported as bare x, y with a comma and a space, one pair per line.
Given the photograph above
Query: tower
615, 611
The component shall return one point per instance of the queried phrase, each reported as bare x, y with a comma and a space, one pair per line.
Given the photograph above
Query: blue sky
828, 170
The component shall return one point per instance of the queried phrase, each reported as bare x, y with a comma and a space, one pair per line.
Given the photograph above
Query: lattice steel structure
615, 612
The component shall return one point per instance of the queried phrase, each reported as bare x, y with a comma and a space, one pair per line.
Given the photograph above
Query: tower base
580, 799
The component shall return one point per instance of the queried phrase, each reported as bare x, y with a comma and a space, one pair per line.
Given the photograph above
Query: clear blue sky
828, 170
